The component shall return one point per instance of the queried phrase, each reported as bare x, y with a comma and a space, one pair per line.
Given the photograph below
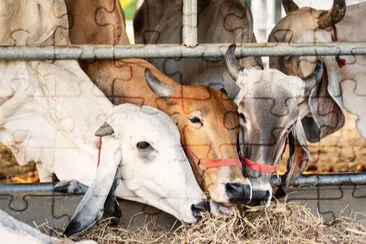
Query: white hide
352, 28
249, 78
53, 115
346, 84
161, 175
49, 112
15, 231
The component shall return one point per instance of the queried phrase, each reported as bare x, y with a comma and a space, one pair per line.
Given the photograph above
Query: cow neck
202, 4
341, 61
194, 162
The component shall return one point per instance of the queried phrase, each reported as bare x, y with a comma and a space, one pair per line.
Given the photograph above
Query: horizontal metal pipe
326, 180
304, 180
174, 51
40, 187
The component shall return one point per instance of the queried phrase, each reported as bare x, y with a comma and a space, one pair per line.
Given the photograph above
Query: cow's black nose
238, 193
260, 195
199, 208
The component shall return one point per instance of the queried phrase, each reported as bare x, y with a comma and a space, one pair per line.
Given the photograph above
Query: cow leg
71, 186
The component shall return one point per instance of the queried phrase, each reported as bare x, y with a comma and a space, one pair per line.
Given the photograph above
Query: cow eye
196, 120
143, 145
242, 117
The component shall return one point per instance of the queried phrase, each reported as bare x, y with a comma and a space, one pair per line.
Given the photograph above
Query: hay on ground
281, 223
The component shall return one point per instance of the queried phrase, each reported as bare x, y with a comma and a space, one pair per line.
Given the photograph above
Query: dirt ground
343, 151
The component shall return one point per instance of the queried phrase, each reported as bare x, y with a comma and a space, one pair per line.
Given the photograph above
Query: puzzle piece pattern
51, 212
328, 201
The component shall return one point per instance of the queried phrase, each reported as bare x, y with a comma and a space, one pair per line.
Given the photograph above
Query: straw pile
281, 223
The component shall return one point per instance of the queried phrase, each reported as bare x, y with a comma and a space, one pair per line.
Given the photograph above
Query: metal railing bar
303, 180
189, 31
326, 180
174, 51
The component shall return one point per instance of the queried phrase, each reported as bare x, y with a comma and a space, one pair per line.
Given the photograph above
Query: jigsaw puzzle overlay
196, 111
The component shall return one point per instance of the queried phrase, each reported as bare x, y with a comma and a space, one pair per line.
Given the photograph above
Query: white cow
343, 84
49, 112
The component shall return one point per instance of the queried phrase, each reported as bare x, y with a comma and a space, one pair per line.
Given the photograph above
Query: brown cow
207, 119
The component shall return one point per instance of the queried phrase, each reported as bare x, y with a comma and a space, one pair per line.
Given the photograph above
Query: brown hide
103, 21
123, 81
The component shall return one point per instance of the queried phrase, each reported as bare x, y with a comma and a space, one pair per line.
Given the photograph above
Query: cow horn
159, 88
313, 79
231, 63
289, 6
334, 15
104, 130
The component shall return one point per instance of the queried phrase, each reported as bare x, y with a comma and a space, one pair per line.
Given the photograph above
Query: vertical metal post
190, 23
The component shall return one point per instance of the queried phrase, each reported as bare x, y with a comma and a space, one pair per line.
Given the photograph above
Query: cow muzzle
238, 192
199, 208
262, 193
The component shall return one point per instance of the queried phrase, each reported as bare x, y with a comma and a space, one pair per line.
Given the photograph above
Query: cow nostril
199, 208
260, 195
238, 192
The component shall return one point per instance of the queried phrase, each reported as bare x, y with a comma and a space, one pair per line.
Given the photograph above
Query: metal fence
189, 49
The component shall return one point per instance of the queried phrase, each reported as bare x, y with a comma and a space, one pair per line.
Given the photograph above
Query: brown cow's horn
313, 79
159, 88
104, 130
334, 15
231, 63
289, 6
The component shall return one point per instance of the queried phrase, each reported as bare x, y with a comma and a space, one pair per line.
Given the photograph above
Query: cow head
143, 144
310, 25
209, 126
270, 105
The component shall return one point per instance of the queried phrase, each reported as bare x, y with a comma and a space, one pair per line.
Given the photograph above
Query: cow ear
299, 155
325, 103
106, 180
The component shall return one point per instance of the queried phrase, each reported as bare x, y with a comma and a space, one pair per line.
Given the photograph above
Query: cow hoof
72, 186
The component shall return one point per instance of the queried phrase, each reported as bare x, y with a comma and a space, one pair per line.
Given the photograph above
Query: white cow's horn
289, 6
104, 130
334, 15
159, 88
232, 64
313, 79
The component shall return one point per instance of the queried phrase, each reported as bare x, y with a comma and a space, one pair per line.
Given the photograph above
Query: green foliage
129, 8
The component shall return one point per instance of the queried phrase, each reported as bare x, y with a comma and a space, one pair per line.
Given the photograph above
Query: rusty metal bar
174, 51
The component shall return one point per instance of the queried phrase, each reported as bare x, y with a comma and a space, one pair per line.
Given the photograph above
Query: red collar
257, 166
260, 167
211, 163
99, 149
